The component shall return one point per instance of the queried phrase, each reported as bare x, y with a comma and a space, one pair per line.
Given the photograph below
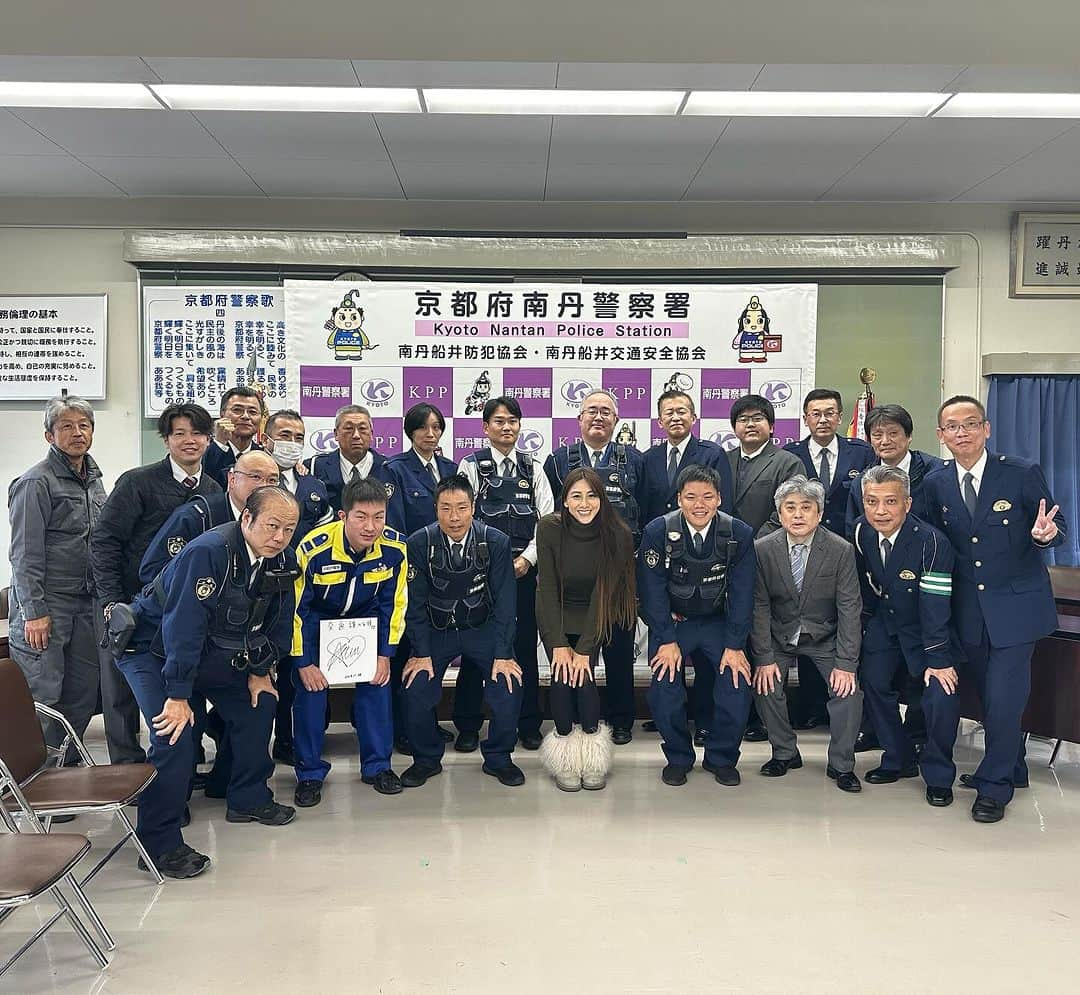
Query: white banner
389, 346
200, 341
50, 344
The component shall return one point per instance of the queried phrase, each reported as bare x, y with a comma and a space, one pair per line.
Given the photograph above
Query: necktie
434, 473
596, 458
699, 544
355, 475
823, 472
970, 497
191, 483
508, 467
672, 466
798, 564
886, 549
457, 556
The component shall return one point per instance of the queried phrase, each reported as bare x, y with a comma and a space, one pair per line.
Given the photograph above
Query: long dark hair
615, 581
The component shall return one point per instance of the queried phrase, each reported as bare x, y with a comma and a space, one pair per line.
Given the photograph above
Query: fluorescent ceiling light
1012, 105
329, 99
440, 101
764, 103
122, 95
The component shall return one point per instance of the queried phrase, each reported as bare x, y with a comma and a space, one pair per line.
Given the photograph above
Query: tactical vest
619, 478
698, 586
507, 503
458, 599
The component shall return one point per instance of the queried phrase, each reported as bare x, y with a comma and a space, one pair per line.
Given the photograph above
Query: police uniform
704, 602
512, 503
188, 522
907, 627
337, 583
219, 460
621, 472
917, 469
310, 494
327, 468
1002, 600
466, 612
202, 619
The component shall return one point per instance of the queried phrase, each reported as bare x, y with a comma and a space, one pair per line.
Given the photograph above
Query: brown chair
53, 791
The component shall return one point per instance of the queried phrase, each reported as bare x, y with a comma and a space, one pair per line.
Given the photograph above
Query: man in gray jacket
807, 602
52, 508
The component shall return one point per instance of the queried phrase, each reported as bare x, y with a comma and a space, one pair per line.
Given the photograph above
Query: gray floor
465, 886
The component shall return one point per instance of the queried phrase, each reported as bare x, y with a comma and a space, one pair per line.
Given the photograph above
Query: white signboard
198, 342
51, 344
348, 650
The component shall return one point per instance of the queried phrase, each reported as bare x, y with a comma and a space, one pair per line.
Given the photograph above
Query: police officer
461, 603
696, 585
242, 411
352, 568
998, 514
285, 443
512, 493
214, 621
905, 571
620, 468
354, 458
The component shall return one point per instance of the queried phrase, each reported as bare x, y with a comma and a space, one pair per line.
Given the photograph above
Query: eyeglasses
969, 426
823, 415
598, 412
259, 479
750, 420
240, 412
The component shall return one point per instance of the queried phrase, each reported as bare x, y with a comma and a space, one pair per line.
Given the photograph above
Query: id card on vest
348, 650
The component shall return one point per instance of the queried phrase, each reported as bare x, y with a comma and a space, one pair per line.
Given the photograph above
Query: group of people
207, 579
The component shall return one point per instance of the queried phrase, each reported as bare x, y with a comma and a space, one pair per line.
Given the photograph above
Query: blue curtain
1038, 418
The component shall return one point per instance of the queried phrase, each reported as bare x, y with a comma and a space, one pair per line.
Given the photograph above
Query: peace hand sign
1045, 527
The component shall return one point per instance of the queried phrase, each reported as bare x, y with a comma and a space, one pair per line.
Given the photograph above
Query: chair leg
91, 912
80, 928
1053, 755
147, 859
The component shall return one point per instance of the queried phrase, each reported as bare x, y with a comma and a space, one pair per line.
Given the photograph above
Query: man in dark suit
234, 432
354, 458
999, 515
807, 602
758, 465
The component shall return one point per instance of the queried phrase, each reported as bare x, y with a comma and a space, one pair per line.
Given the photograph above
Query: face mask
287, 454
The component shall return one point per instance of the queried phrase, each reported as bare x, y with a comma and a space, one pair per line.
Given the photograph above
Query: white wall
979, 316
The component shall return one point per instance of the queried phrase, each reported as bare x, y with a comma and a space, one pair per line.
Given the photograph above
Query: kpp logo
377, 390
575, 391
776, 391
530, 441
726, 439
323, 441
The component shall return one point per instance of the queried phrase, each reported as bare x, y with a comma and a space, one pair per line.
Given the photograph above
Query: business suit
658, 496
218, 462
327, 468
826, 616
1002, 600
921, 465
852, 457
755, 483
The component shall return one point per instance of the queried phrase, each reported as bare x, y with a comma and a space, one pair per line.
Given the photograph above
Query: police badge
1002, 505
852, 474
204, 587
411, 575
174, 544
652, 558
906, 575
389, 490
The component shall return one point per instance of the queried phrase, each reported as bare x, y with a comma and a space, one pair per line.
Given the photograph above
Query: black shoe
530, 740
778, 768
418, 773
700, 736
403, 746
447, 735
511, 775
622, 736
755, 734
308, 794
386, 782
845, 780
198, 781
728, 776
649, 726
986, 809
968, 781
674, 775
200, 756
879, 775
939, 797
183, 862
467, 742
866, 741
185, 819
270, 814
282, 753
213, 790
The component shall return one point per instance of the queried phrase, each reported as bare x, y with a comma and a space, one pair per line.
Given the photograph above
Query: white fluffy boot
596, 751
561, 757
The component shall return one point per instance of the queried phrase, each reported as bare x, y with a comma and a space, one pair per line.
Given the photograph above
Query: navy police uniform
1002, 599
336, 582
466, 612
621, 471
209, 613
314, 504
327, 468
852, 457
218, 461
705, 603
187, 522
921, 464
907, 628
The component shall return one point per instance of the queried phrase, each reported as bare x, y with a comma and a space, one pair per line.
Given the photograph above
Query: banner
388, 346
200, 341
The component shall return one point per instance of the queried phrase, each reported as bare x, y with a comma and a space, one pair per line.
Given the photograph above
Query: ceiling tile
151, 176
472, 181
617, 181
465, 138
283, 72
51, 176
1017, 79
74, 69
18, 138
123, 132
855, 77
633, 140
1045, 176
655, 76
935, 161
465, 74
297, 136
323, 177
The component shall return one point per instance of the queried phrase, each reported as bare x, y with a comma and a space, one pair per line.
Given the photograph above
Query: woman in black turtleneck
585, 586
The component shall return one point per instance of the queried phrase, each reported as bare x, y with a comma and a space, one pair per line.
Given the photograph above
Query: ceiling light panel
1019, 105
765, 103
96, 95
553, 102
316, 99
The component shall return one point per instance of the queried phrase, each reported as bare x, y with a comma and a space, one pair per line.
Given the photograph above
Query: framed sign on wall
1045, 255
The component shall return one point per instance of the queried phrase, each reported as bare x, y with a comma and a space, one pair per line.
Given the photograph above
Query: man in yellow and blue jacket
354, 567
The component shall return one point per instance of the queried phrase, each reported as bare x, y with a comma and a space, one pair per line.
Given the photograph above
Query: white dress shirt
834, 453
181, 474
976, 472
364, 466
